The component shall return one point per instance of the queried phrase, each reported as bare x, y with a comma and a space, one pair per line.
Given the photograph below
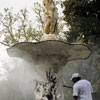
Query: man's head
75, 77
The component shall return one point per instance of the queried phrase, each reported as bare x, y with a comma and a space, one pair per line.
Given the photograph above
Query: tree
83, 17
17, 28
37, 9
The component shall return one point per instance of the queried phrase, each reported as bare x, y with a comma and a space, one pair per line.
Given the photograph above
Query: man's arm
67, 86
75, 92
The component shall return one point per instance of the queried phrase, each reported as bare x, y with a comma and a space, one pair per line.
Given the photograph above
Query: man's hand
75, 97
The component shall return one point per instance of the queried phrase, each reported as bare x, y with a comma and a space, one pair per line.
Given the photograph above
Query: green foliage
17, 28
84, 18
37, 8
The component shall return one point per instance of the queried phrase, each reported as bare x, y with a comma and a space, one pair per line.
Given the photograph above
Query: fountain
50, 54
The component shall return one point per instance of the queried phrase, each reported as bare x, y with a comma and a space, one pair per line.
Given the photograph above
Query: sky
17, 4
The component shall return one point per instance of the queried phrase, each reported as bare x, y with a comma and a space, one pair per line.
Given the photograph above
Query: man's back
83, 90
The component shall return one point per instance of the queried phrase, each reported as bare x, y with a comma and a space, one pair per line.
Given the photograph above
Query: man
82, 89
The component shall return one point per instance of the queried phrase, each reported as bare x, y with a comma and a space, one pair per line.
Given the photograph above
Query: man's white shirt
83, 89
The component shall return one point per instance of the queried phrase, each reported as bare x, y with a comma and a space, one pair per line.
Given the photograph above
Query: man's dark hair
76, 79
